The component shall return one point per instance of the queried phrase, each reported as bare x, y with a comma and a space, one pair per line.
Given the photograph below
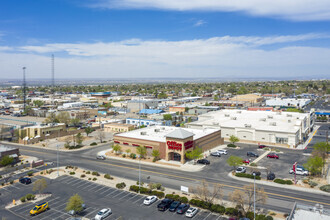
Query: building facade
118, 127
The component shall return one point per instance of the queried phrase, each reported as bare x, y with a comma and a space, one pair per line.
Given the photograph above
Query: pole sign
294, 170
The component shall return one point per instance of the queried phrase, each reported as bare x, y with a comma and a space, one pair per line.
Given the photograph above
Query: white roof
288, 122
159, 133
179, 134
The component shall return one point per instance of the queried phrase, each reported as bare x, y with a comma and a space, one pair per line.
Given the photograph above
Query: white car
149, 200
191, 212
222, 152
240, 170
103, 214
100, 157
300, 171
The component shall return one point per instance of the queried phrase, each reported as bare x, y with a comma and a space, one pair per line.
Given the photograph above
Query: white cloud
300, 10
226, 56
199, 23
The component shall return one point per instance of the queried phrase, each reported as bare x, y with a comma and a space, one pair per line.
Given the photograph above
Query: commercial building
297, 103
266, 127
250, 98
171, 142
118, 127
308, 212
9, 151
40, 131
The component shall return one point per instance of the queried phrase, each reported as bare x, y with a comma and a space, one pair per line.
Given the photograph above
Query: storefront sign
173, 145
188, 144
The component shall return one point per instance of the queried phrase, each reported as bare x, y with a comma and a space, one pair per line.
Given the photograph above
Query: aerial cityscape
137, 109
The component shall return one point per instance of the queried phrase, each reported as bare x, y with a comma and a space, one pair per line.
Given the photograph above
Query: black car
164, 204
182, 208
203, 161
271, 176
257, 173
25, 180
252, 154
174, 206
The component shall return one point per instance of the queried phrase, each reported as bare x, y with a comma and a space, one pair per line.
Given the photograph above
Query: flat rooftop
158, 133
4, 148
288, 122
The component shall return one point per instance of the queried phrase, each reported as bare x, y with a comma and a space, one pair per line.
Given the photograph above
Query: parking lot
125, 205
280, 167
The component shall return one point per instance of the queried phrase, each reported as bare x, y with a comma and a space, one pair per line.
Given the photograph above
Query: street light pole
57, 162
254, 196
139, 173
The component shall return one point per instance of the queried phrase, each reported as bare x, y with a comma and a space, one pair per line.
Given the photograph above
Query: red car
247, 161
272, 155
262, 146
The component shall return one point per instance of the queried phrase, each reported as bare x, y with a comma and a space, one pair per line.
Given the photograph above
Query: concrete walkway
292, 187
310, 137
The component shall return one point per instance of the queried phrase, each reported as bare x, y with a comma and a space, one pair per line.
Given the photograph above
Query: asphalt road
280, 199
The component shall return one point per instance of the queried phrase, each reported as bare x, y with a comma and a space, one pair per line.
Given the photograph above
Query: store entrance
174, 156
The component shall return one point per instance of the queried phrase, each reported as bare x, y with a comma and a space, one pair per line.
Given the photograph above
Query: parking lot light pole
254, 196
139, 173
57, 161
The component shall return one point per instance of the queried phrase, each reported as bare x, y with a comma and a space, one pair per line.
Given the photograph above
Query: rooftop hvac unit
233, 118
262, 119
289, 121
227, 115
288, 115
163, 128
143, 133
215, 123
157, 130
272, 123
239, 112
247, 125
279, 113
270, 116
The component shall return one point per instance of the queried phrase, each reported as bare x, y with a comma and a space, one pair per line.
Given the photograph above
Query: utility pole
254, 196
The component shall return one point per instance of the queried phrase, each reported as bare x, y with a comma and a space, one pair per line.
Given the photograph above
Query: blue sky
160, 38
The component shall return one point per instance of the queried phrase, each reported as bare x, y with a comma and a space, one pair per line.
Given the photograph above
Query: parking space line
138, 200
118, 194
96, 185
22, 207
72, 181
101, 188
109, 188
125, 195
66, 179
207, 216
218, 217
79, 182
91, 214
88, 185
84, 182
133, 196
115, 190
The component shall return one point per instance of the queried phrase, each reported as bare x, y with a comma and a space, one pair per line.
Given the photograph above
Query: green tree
38, 103
314, 165
63, 117
51, 118
233, 139
6, 160
79, 139
155, 154
167, 117
321, 149
142, 151
162, 95
75, 203
234, 161
88, 130
75, 121
39, 185
195, 154
116, 148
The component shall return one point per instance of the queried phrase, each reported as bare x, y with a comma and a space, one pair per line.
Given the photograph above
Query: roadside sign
294, 167
184, 189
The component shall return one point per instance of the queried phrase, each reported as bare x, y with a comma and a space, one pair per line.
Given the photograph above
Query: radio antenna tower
24, 89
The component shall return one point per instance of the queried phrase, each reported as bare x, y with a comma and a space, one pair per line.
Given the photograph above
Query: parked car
191, 212
103, 214
39, 208
271, 176
262, 146
164, 204
25, 180
100, 157
299, 171
174, 206
273, 155
241, 170
222, 152
149, 200
73, 212
182, 208
252, 154
215, 154
257, 173
203, 161
247, 161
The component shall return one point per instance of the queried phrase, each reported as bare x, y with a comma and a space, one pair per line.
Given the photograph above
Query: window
281, 140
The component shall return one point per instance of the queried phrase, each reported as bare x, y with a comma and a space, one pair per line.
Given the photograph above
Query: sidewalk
177, 165
310, 137
262, 182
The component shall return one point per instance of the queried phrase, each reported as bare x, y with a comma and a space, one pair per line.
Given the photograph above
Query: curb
262, 182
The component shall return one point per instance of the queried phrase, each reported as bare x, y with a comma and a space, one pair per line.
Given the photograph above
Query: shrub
218, 209
160, 195
82, 175
107, 176
250, 215
33, 197
72, 173
29, 196
89, 178
124, 155
155, 159
93, 144
253, 164
133, 156
94, 173
281, 181
231, 211
2, 184
41, 172
305, 181
120, 185
94, 178
88, 172
137, 183
246, 175
11, 182
30, 173
325, 188
269, 217
22, 199
231, 145
266, 148
312, 184
158, 186
0, 176
277, 150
